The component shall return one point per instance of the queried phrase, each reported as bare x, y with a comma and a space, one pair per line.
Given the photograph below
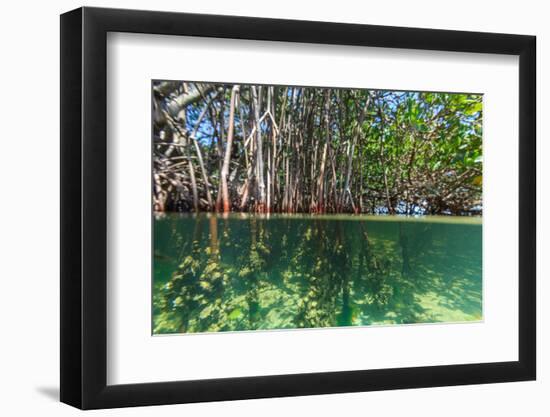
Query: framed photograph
255, 208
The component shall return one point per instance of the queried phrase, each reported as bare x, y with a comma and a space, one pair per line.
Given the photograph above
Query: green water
247, 272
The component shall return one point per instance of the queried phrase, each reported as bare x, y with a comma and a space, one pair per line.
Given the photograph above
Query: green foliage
384, 149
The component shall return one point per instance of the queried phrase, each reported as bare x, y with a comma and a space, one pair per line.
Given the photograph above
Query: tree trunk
260, 204
321, 178
227, 157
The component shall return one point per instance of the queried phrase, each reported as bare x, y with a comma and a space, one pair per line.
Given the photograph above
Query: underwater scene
298, 207
234, 272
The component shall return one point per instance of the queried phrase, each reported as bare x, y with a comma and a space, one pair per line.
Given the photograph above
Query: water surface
246, 272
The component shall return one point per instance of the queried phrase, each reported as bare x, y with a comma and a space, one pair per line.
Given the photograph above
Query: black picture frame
84, 207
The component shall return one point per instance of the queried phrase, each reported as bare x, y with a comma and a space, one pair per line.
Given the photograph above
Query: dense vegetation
253, 148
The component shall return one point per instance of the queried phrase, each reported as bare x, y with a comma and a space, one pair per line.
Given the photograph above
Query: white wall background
29, 219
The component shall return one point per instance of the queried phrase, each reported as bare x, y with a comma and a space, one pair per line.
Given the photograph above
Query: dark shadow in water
227, 274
